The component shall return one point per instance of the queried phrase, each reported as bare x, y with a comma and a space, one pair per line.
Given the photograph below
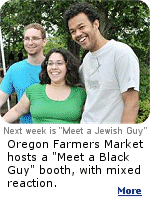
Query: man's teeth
82, 39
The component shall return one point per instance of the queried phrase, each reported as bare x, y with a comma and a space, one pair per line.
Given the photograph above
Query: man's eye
81, 27
73, 31
35, 38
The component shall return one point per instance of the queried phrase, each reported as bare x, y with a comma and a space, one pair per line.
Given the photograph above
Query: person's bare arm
21, 108
3, 98
131, 106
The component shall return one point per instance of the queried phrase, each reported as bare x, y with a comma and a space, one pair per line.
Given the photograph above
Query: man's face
33, 41
84, 32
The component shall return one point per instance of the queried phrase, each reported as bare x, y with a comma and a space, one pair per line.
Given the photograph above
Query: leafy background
125, 21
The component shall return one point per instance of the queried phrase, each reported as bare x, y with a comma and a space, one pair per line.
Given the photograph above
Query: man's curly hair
78, 8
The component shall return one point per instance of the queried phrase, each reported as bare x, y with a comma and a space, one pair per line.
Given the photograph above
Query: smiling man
23, 74
110, 70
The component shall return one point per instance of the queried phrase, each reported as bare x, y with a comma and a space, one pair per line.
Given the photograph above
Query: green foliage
144, 81
54, 42
144, 111
126, 21
144, 93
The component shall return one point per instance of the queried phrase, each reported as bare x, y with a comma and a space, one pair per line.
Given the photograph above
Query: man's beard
33, 54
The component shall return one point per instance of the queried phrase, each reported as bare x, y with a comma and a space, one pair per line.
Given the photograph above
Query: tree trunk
73, 47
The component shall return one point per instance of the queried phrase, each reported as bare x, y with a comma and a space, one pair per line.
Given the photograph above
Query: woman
57, 98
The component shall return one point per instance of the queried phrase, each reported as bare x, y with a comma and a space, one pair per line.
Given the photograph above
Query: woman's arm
21, 108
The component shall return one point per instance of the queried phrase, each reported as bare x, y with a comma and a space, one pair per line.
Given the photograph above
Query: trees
15, 16
126, 21
123, 20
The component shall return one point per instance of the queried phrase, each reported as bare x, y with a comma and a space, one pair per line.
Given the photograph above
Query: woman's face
56, 68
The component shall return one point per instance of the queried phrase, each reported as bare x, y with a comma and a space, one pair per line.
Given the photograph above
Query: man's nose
30, 41
78, 33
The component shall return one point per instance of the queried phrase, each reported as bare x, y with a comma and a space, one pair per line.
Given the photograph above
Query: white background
100, 186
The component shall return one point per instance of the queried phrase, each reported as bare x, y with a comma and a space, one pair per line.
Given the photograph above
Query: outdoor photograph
74, 61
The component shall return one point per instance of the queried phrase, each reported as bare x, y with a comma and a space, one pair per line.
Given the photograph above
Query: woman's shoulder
35, 91
35, 87
79, 89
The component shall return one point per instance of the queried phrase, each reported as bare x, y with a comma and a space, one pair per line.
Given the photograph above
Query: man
11, 58
23, 74
110, 70
20, 55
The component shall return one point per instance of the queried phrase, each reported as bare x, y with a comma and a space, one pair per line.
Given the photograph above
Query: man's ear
44, 41
96, 24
